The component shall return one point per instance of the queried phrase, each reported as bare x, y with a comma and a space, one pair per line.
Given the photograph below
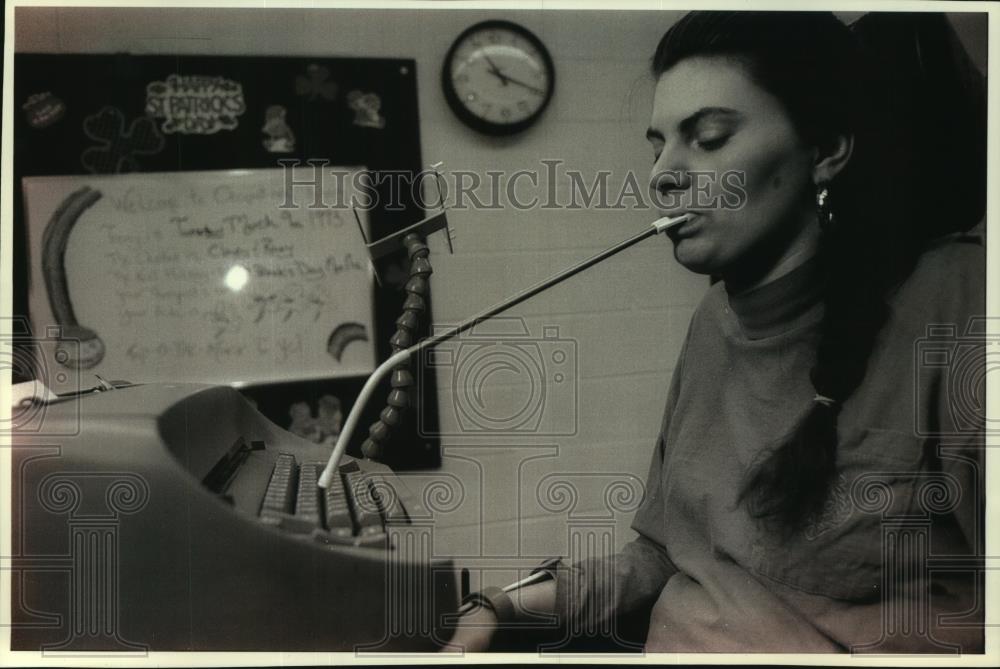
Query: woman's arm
590, 594
477, 629
585, 595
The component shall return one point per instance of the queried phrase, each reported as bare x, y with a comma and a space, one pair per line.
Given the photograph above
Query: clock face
498, 77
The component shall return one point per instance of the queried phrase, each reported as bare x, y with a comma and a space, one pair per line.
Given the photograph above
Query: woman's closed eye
706, 143
710, 143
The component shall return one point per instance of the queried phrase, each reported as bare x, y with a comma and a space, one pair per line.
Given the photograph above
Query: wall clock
498, 77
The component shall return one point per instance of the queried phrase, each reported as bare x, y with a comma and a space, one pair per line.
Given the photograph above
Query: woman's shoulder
965, 250
948, 281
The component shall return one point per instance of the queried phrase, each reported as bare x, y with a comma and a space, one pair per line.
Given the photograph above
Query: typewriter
177, 517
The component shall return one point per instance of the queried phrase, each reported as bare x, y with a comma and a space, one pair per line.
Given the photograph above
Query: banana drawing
55, 239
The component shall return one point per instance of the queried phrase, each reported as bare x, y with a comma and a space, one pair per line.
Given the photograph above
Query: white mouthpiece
666, 222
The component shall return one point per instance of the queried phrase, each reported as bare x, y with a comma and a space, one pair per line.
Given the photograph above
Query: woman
797, 459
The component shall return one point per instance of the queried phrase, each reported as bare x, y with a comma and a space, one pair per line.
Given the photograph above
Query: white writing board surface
198, 277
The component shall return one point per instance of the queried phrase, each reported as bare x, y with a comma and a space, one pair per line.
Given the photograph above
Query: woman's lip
676, 230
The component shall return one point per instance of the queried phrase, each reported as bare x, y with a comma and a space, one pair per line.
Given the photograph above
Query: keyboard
354, 510
206, 522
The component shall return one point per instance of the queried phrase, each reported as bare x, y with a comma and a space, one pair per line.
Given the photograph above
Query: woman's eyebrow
688, 124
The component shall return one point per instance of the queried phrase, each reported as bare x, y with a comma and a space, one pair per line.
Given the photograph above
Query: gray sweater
869, 573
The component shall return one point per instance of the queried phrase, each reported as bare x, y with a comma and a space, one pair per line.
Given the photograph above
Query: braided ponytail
792, 481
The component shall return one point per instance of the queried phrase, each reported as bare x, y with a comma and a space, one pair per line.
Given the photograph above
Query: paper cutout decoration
366, 108
118, 146
195, 104
83, 348
314, 83
323, 428
280, 138
43, 109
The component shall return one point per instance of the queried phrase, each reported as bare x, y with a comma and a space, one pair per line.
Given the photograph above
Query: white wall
627, 317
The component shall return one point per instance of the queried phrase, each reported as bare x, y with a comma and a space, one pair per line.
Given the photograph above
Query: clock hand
494, 70
524, 85
504, 79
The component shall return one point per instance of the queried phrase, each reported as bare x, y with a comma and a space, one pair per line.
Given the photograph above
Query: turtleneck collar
778, 306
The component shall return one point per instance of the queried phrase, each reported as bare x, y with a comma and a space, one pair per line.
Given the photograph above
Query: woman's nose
667, 183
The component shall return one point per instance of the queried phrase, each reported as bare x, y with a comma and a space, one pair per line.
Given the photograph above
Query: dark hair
812, 64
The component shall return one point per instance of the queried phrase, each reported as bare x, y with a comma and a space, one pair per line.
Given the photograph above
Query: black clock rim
476, 122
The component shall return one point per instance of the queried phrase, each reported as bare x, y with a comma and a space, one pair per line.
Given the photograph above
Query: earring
824, 213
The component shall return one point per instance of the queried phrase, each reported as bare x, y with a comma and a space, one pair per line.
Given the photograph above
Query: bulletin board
176, 125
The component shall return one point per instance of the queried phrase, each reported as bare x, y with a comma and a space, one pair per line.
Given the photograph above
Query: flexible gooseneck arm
405, 355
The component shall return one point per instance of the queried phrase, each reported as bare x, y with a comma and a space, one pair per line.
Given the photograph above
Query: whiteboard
198, 277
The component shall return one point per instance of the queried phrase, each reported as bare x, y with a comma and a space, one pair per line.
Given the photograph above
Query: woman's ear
832, 158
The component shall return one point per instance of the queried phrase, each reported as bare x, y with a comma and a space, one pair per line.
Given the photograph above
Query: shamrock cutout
316, 84
118, 146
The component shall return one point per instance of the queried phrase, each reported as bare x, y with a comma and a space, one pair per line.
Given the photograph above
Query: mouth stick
667, 222
402, 356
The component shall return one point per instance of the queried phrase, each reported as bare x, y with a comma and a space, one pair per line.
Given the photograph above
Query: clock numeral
505, 112
462, 78
523, 106
494, 38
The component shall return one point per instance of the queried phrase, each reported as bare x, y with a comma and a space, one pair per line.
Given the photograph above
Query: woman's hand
474, 633
476, 630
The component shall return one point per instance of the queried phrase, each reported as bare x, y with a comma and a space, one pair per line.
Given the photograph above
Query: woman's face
726, 150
